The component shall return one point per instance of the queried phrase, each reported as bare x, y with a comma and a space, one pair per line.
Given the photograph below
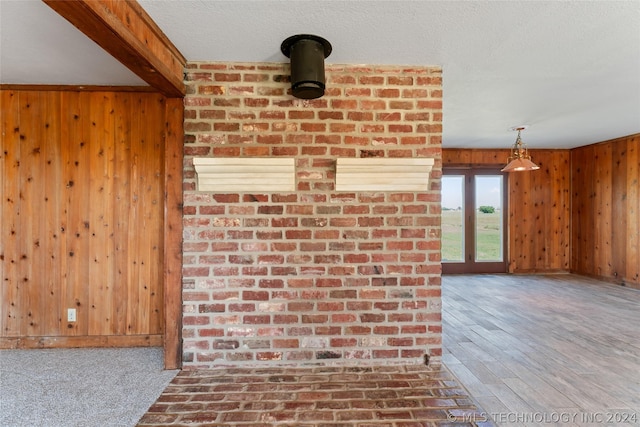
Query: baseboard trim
81, 341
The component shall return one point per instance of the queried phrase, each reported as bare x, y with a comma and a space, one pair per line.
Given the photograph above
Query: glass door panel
473, 221
453, 218
489, 221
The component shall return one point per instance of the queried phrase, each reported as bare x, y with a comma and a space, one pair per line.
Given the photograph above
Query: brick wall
313, 276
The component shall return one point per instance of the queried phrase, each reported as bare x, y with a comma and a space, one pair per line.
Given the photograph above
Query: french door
474, 221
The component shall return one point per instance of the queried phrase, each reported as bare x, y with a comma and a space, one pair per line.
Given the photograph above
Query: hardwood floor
546, 349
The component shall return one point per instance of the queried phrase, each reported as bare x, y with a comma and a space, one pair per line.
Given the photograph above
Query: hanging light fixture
307, 53
519, 160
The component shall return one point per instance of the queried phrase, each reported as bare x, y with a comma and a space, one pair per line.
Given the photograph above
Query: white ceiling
569, 69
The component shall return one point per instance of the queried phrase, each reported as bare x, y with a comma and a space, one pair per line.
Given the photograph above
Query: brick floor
398, 396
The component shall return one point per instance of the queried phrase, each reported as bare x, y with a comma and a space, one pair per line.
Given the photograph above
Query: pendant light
307, 53
519, 160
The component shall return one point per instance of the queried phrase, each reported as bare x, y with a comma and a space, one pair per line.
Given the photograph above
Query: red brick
330, 306
415, 93
195, 271
318, 247
229, 295
400, 80
300, 306
343, 342
348, 318
226, 77
340, 260
195, 320
356, 258
285, 319
255, 271
271, 283
400, 128
330, 115
372, 317
342, 152
315, 318
245, 308
284, 222
261, 319
358, 306
313, 127
326, 282
387, 93
357, 330
370, 222
371, 80
400, 342
368, 128
226, 152
400, 317
255, 295
197, 102
327, 330
326, 234
211, 308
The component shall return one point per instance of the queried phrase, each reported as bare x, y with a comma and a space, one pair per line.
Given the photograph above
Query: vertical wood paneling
561, 244
10, 225
605, 214
53, 240
602, 221
632, 236
98, 226
109, 217
154, 229
76, 152
121, 193
141, 249
581, 212
31, 179
134, 208
148, 204
82, 214
618, 210
538, 207
523, 253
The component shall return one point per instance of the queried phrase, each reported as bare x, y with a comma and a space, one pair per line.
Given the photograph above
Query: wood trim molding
173, 147
79, 88
383, 174
224, 174
101, 341
127, 32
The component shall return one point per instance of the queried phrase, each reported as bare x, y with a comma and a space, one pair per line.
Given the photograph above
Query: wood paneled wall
605, 232
538, 207
82, 218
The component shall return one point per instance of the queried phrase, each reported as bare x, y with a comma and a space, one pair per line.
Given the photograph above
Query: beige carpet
79, 387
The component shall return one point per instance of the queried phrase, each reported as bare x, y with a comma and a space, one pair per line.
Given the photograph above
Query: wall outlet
71, 315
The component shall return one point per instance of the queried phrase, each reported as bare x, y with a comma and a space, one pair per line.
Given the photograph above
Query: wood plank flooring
545, 349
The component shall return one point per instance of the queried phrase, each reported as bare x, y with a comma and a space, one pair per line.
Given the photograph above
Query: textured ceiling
569, 69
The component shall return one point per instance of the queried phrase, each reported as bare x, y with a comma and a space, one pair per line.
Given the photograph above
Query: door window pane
452, 218
488, 212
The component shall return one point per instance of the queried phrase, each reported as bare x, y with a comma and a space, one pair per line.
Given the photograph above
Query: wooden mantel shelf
383, 174
245, 174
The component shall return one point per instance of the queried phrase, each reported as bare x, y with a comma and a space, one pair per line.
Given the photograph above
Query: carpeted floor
79, 387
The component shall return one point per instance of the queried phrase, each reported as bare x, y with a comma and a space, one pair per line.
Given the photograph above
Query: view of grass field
488, 236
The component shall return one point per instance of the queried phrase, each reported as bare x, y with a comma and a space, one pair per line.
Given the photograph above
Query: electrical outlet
71, 315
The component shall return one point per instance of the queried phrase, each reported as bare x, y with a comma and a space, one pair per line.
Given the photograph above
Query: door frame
470, 266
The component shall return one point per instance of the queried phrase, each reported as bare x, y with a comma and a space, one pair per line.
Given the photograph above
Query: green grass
452, 235
487, 235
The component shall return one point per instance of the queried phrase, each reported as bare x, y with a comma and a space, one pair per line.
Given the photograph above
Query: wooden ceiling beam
127, 32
